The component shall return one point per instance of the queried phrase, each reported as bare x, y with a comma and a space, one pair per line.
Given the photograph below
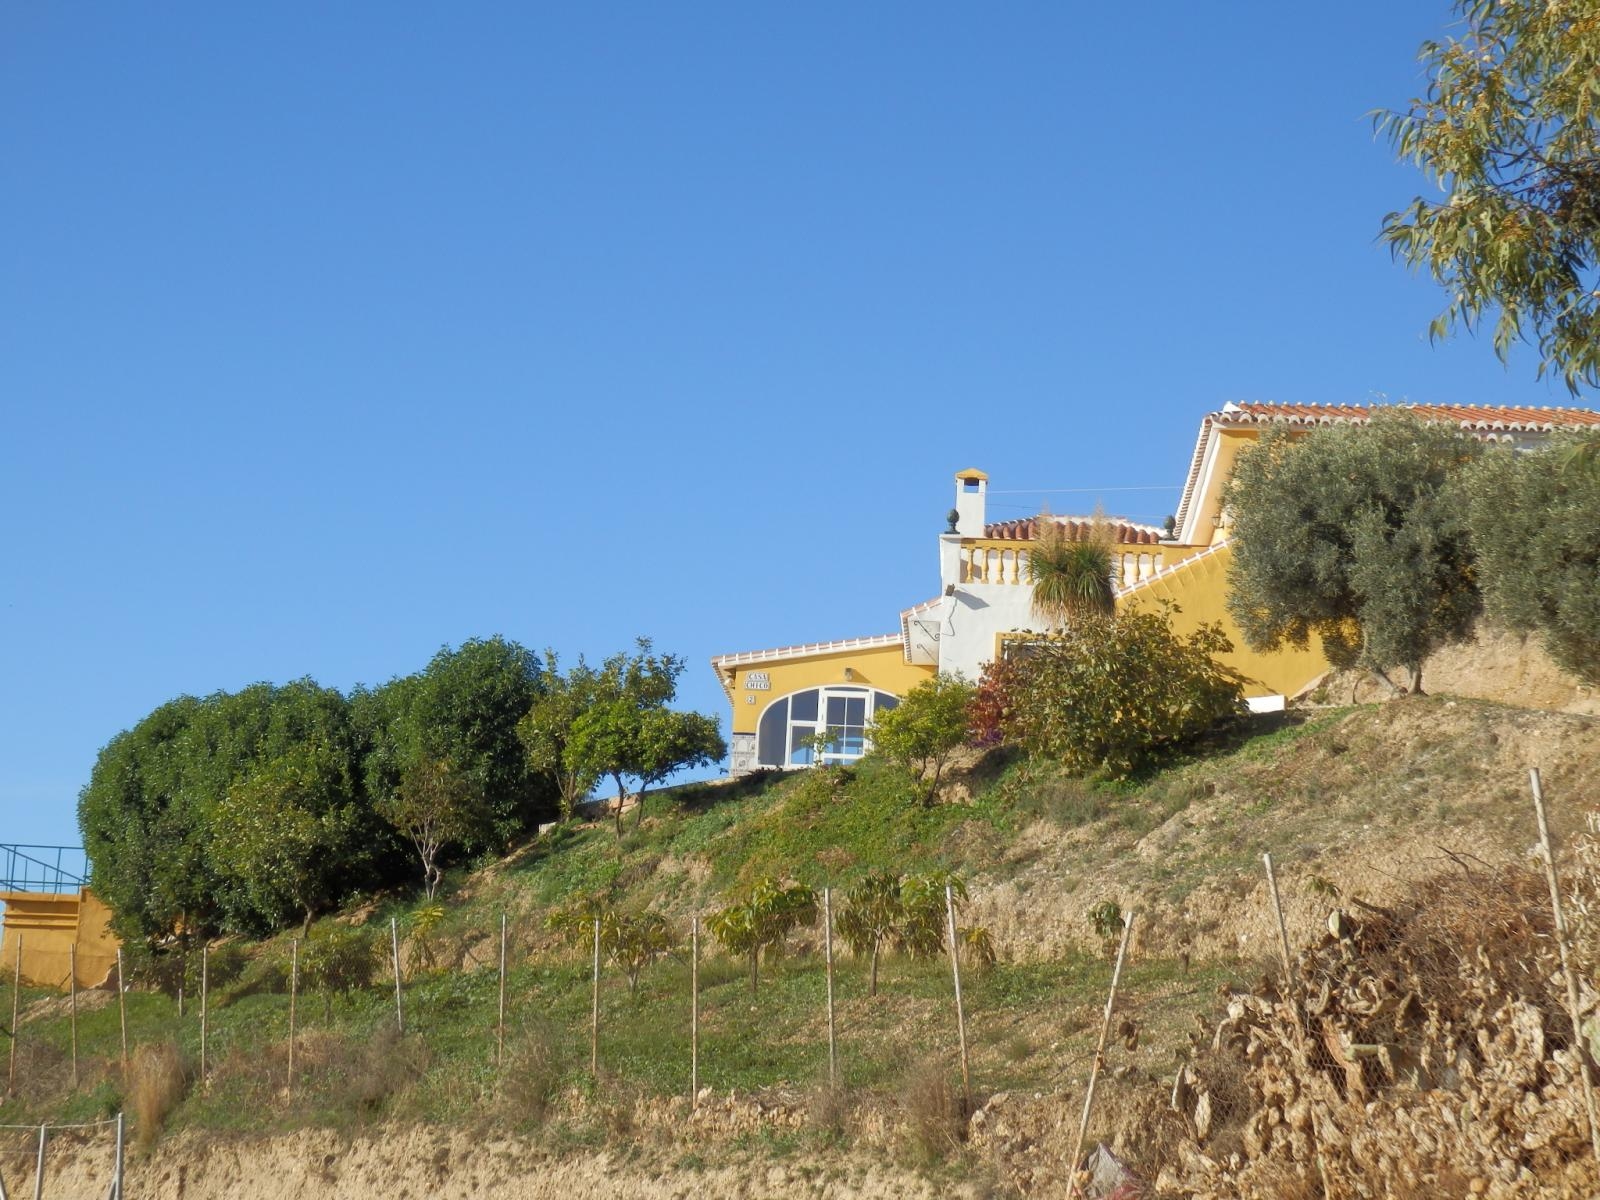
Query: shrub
1115, 695
337, 960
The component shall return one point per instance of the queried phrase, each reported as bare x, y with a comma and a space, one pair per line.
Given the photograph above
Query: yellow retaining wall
881, 667
1199, 586
49, 924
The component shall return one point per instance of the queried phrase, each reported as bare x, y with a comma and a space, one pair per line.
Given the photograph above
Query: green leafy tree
923, 927
870, 918
1507, 132
434, 807
762, 921
632, 941
928, 725
292, 824
1071, 577
628, 734
1536, 531
145, 833
546, 730
462, 709
1355, 533
1114, 695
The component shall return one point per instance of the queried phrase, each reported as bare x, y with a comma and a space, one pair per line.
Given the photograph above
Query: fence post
1573, 1004
294, 989
827, 946
961, 1016
694, 1011
72, 987
117, 1179
38, 1166
394, 953
1283, 929
1099, 1053
16, 1008
500, 1024
122, 1010
205, 964
594, 1013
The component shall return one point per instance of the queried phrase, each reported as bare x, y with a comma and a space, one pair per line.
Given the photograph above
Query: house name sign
758, 681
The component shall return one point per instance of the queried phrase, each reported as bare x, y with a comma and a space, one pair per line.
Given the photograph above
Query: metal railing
42, 868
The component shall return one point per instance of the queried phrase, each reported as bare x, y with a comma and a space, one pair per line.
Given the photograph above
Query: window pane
883, 701
803, 705
770, 735
836, 710
801, 754
855, 710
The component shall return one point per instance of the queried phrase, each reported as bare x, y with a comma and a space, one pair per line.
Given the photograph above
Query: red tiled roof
1482, 419
1078, 529
1533, 418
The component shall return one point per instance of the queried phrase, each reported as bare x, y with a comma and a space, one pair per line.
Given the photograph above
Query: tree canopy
1354, 533
926, 728
1536, 532
628, 734
1507, 131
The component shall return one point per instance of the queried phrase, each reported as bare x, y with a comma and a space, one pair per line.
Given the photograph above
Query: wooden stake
1300, 1030
961, 1016
594, 1012
1283, 928
122, 1010
694, 1011
205, 963
38, 1166
116, 1181
1099, 1054
827, 945
16, 1009
394, 954
72, 985
1574, 1007
500, 1023
294, 988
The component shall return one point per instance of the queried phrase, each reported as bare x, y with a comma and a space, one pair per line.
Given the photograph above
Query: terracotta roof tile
1078, 529
1469, 416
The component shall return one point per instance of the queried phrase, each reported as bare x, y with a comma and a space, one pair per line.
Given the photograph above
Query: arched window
789, 724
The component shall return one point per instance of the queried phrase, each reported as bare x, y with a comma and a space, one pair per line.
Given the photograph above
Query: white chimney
972, 485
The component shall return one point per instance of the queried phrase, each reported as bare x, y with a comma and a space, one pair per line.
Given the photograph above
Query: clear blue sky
330, 334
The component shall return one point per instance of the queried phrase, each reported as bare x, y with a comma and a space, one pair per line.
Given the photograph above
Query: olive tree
1354, 533
1536, 532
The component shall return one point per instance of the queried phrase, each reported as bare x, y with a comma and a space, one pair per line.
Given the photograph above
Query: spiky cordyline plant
1071, 578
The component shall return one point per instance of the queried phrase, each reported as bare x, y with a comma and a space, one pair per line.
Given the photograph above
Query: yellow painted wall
1229, 443
1200, 589
48, 925
883, 667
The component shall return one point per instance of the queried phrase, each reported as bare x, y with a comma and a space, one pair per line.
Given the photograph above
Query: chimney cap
972, 473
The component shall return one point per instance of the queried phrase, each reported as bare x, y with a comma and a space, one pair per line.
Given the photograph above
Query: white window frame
820, 722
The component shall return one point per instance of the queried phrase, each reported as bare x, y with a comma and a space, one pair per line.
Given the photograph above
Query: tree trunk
1416, 680
1383, 678
755, 971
